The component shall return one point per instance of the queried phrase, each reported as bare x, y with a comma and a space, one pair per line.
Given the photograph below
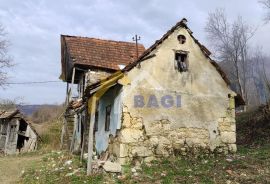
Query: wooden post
84, 125
62, 134
72, 82
73, 75
91, 137
74, 132
82, 148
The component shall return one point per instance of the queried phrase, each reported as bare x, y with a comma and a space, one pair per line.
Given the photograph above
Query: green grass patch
249, 165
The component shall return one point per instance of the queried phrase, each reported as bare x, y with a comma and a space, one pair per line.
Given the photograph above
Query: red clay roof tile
106, 54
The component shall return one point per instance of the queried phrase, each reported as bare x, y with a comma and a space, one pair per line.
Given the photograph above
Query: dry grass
50, 134
12, 167
47, 113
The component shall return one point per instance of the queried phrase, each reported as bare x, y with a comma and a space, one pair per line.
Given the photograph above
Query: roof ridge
182, 23
101, 39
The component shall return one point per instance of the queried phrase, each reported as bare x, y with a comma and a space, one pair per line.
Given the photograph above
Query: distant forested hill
30, 109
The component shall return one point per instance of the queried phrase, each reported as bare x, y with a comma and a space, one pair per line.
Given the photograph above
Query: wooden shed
16, 134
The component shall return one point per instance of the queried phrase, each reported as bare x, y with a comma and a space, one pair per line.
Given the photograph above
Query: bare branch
266, 5
5, 61
230, 44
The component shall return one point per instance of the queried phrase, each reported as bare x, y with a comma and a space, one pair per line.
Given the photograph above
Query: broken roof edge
30, 123
13, 114
7, 114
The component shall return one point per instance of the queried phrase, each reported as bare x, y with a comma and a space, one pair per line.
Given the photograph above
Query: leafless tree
266, 83
266, 5
5, 61
6, 104
230, 43
259, 83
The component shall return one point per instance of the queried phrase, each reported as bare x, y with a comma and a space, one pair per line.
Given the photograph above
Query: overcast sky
34, 28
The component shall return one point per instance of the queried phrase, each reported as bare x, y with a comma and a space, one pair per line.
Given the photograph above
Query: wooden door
3, 135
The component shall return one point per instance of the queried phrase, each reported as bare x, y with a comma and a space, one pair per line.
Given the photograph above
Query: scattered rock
229, 160
135, 174
229, 172
205, 161
85, 156
121, 177
69, 174
68, 162
133, 170
112, 167
138, 168
163, 174
243, 174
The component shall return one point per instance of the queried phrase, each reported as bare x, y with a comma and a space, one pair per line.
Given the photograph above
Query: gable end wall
203, 118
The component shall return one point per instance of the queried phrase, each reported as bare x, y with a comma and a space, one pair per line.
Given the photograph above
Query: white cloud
34, 29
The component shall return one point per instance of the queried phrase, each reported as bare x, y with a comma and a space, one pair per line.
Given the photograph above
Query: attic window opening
181, 59
181, 39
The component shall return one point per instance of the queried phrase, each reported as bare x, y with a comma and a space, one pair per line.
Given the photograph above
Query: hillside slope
253, 127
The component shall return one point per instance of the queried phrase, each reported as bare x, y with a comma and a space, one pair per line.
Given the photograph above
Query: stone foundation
148, 141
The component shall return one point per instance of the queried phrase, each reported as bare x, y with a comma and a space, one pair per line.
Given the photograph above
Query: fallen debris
112, 167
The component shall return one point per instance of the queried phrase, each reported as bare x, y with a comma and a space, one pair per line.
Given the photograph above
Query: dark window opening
20, 141
21, 134
181, 59
22, 126
96, 117
107, 118
181, 39
78, 122
82, 130
83, 84
96, 121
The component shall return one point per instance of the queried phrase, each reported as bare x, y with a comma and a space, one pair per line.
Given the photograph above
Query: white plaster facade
204, 119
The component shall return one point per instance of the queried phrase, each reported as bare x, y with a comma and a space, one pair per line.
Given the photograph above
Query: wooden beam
74, 132
91, 137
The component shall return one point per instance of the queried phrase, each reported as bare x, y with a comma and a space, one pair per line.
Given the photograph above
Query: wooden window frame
181, 58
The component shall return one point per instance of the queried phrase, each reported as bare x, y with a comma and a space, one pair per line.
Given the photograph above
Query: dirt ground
12, 167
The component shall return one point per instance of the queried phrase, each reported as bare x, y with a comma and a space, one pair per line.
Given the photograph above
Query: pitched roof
146, 53
205, 51
8, 114
107, 54
15, 113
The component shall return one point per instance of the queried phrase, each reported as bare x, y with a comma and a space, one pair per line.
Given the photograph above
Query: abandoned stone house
172, 99
16, 134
